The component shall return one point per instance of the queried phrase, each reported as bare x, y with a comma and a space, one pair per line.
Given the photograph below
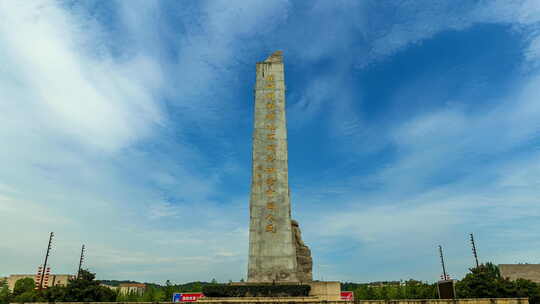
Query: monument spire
276, 57
276, 251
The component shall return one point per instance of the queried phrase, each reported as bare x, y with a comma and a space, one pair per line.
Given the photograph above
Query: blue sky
126, 126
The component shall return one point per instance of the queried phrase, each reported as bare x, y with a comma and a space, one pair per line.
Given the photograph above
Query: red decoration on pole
37, 280
46, 257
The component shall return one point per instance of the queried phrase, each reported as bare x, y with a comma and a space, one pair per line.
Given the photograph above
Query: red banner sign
187, 297
347, 296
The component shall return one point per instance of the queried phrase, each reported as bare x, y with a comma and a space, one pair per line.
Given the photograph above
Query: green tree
24, 291
526, 288
485, 281
120, 297
400, 294
412, 289
383, 293
134, 296
395, 292
28, 296
492, 269
360, 292
197, 286
87, 289
152, 294
429, 291
370, 293
482, 282
167, 292
418, 290
54, 293
5, 295
162, 297
23, 285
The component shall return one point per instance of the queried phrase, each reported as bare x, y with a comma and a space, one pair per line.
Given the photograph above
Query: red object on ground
191, 297
347, 296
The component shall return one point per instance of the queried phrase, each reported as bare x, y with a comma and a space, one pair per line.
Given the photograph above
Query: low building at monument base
325, 291
320, 291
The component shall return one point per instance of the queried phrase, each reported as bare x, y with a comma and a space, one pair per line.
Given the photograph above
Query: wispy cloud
67, 91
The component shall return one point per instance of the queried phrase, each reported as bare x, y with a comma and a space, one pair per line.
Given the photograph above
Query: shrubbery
22, 292
256, 290
484, 281
411, 289
83, 289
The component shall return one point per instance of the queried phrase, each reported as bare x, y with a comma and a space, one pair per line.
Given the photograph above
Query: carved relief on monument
303, 255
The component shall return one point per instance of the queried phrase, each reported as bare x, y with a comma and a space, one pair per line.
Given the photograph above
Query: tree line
86, 288
484, 281
82, 289
161, 293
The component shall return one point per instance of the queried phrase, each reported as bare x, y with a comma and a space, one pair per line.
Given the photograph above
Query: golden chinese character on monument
270, 85
270, 106
271, 136
270, 170
270, 127
270, 116
270, 228
270, 158
270, 192
270, 205
270, 95
271, 148
270, 78
269, 218
270, 181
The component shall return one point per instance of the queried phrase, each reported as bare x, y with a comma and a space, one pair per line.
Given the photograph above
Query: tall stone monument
276, 250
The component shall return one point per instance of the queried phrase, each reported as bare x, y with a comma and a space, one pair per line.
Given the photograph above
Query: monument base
320, 290
325, 291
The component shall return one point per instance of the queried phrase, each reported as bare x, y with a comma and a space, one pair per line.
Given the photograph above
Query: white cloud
403, 228
49, 76
422, 20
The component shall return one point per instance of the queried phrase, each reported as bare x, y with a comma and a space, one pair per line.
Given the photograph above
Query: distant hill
349, 286
116, 282
191, 286
194, 286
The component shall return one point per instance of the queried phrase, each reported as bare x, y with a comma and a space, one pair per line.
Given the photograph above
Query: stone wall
326, 291
317, 301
